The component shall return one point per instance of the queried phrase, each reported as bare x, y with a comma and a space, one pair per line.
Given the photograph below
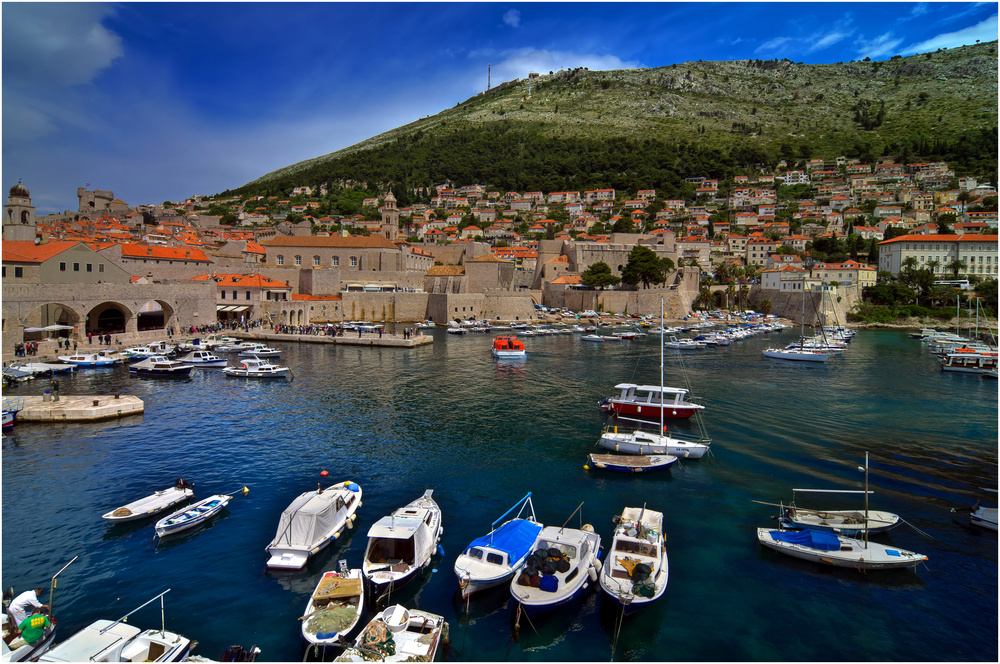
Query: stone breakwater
47, 408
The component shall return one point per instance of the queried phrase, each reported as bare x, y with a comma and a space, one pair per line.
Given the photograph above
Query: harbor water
482, 433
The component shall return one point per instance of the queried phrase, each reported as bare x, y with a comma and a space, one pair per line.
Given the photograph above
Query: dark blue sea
482, 434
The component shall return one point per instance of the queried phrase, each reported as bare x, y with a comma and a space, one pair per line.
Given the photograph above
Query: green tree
623, 225
599, 275
644, 267
766, 305
955, 266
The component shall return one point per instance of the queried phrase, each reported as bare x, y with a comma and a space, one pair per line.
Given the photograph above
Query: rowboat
335, 606
496, 557
626, 463
150, 505
311, 521
398, 634
401, 544
636, 570
191, 516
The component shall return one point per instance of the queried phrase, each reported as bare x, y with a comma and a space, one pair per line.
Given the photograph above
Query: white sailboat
800, 353
639, 441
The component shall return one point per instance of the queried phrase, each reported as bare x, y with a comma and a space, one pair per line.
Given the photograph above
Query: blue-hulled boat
495, 558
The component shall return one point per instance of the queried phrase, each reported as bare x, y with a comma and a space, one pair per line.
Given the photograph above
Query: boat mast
866, 499
662, 323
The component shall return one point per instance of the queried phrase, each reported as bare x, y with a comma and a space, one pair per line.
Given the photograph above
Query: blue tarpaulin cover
814, 539
515, 538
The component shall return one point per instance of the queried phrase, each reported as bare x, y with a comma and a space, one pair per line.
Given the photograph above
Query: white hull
104, 641
403, 543
150, 505
191, 516
846, 522
571, 573
647, 443
638, 540
851, 553
984, 517
334, 608
311, 522
796, 355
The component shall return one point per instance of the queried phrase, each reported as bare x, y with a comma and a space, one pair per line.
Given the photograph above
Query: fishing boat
335, 606
595, 338
311, 522
507, 346
398, 634
152, 504
636, 570
970, 362
161, 367
565, 562
252, 367
496, 557
401, 544
650, 402
837, 550
204, 359
191, 516
630, 463
11, 407
117, 641
136, 353
87, 360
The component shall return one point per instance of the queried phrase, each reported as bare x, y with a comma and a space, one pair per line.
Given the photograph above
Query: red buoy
324, 473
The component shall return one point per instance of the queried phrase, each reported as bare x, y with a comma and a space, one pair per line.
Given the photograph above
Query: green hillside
640, 128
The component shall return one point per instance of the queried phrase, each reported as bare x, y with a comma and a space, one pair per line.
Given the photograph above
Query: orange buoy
323, 473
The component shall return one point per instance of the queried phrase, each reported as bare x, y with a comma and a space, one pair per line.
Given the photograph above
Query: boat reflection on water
510, 367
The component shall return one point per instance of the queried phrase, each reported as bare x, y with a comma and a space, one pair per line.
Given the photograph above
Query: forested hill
637, 128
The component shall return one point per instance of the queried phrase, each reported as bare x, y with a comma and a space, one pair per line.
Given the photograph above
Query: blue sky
161, 101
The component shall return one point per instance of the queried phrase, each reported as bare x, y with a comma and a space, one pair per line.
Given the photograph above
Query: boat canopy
814, 539
308, 519
396, 527
515, 538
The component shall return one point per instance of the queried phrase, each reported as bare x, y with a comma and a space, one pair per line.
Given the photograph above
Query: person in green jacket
33, 627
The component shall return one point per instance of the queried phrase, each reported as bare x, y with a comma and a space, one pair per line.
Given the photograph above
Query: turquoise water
483, 433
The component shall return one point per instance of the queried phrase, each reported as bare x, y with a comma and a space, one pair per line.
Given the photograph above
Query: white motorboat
87, 360
565, 562
150, 505
401, 544
496, 557
259, 350
251, 367
837, 550
636, 570
335, 606
398, 634
160, 366
204, 359
507, 346
982, 516
191, 516
313, 520
596, 338
107, 641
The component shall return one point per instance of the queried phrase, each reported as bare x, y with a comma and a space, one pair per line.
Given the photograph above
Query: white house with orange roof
796, 242
758, 249
847, 273
784, 278
977, 252
239, 296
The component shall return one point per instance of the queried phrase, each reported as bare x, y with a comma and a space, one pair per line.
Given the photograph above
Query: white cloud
512, 17
983, 31
519, 63
827, 41
879, 46
772, 45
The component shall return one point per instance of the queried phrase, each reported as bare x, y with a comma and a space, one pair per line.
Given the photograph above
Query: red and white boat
648, 402
508, 346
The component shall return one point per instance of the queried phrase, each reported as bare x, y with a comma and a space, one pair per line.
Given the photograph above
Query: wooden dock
45, 408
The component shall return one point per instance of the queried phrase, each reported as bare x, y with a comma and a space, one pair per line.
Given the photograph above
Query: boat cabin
651, 394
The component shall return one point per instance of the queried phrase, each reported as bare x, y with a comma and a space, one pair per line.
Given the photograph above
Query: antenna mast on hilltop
489, 73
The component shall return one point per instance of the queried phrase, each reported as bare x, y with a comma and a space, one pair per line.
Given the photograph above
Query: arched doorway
153, 315
108, 318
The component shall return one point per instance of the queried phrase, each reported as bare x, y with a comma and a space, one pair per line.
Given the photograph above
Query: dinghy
398, 634
625, 463
496, 557
311, 522
401, 544
335, 606
150, 505
191, 516
636, 570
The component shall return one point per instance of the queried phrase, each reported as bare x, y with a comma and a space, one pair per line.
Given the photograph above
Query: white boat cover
309, 518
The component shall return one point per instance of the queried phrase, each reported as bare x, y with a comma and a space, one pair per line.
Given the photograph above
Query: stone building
99, 202
19, 215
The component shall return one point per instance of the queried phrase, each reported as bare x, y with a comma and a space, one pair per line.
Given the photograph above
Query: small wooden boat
398, 634
191, 516
257, 368
837, 550
313, 520
401, 544
636, 570
631, 463
150, 505
496, 557
507, 346
204, 359
161, 367
565, 562
335, 606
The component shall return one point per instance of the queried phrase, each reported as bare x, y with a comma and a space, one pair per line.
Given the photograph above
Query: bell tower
390, 218
19, 214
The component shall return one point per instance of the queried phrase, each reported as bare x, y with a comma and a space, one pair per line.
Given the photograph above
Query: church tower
390, 218
19, 215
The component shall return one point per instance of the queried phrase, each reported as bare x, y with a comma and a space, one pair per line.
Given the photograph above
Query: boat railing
15, 403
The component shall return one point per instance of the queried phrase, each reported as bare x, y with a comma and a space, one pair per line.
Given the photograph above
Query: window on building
354, 261
18, 272
315, 261
222, 295
90, 268
280, 259
76, 267
248, 295
62, 267
298, 260
100, 267
234, 295
336, 261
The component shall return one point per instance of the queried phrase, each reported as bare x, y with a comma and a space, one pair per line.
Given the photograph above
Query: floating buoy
324, 473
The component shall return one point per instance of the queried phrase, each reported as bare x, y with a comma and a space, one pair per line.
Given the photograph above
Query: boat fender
597, 564
592, 573
440, 550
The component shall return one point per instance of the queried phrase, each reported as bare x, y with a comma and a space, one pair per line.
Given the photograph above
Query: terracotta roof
246, 280
303, 296
351, 241
560, 259
446, 271
487, 258
166, 253
968, 237
26, 251
568, 279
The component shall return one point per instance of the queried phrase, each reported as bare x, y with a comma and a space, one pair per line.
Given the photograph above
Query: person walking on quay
90, 338
74, 345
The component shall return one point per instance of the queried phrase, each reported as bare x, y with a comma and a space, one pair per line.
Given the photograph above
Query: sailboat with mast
831, 548
658, 443
801, 352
